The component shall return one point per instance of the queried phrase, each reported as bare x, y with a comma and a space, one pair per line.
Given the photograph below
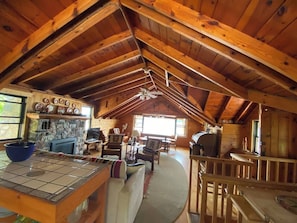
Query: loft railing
209, 201
215, 166
254, 169
271, 169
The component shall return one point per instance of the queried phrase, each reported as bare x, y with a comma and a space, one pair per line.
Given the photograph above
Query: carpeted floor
166, 192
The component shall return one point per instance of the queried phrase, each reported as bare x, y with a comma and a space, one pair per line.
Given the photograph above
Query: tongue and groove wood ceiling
214, 60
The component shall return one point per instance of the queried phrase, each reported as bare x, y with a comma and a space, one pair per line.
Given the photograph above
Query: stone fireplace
48, 131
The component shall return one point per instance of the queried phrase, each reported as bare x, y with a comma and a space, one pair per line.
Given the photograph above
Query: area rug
166, 191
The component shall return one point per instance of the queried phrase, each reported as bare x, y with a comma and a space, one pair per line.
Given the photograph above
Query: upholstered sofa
125, 192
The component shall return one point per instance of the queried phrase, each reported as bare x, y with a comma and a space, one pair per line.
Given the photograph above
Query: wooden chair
113, 146
150, 152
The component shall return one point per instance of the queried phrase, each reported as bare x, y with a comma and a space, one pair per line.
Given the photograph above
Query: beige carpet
167, 193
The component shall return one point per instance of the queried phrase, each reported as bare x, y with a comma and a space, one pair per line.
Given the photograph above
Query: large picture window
160, 125
12, 112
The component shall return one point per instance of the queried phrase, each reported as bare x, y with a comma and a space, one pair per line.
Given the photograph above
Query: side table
90, 143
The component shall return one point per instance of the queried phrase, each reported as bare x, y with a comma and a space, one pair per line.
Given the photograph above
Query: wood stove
205, 144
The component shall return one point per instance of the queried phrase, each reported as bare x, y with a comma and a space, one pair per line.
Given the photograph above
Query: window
86, 111
12, 112
160, 125
181, 126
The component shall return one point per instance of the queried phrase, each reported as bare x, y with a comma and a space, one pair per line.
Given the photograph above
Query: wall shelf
55, 116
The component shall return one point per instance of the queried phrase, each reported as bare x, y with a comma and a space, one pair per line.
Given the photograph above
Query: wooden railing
207, 195
271, 169
215, 166
210, 201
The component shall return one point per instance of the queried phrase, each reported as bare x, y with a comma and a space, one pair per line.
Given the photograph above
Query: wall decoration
62, 101
55, 100
76, 111
69, 110
46, 100
49, 108
60, 110
38, 107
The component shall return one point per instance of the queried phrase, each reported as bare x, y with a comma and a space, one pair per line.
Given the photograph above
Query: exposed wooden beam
195, 66
214, 45
223, 106
43, 32
100, 91
105, 79
53, 44
228, 36
103, 93
92, 70
198, 82
75, 57
191, 99
242, 111
278, 102
183, 102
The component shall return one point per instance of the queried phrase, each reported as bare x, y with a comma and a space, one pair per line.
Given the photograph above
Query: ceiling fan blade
156, 92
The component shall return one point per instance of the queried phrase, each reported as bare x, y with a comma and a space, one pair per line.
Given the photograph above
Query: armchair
113, 146
150, 152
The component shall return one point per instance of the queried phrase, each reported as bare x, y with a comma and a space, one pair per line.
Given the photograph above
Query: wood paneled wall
278, 133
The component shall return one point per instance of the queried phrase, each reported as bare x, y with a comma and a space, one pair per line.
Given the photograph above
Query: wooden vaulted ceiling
212, 60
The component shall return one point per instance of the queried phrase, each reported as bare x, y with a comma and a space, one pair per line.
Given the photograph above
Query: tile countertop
46, 175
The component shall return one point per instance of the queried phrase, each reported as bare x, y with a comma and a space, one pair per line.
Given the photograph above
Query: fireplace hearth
66, 146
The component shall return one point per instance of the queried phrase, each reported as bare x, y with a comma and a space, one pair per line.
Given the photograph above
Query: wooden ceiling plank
192, 64
278, 22
98, 46
212, 44
125, 108
228, 36
60, 40
244, 19
223, 106
118, 106
92, 70
113, 89
242, 111
43, 32
105, 79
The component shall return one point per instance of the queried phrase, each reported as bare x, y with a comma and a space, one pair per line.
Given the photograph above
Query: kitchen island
48, 187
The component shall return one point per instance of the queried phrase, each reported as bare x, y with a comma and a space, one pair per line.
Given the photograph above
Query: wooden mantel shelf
55, 116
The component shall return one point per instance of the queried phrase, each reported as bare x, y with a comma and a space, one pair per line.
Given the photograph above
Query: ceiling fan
145, 94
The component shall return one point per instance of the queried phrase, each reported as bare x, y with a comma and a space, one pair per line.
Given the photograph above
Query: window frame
21, 117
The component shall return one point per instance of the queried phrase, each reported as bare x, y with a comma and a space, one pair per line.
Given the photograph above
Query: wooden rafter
52, 45
195, 66
228, 36
96, 47
215, 46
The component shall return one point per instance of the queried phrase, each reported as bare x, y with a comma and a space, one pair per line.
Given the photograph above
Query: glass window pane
159, 126
9, 120
10, 109
11, 116
10, 98
9, 131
